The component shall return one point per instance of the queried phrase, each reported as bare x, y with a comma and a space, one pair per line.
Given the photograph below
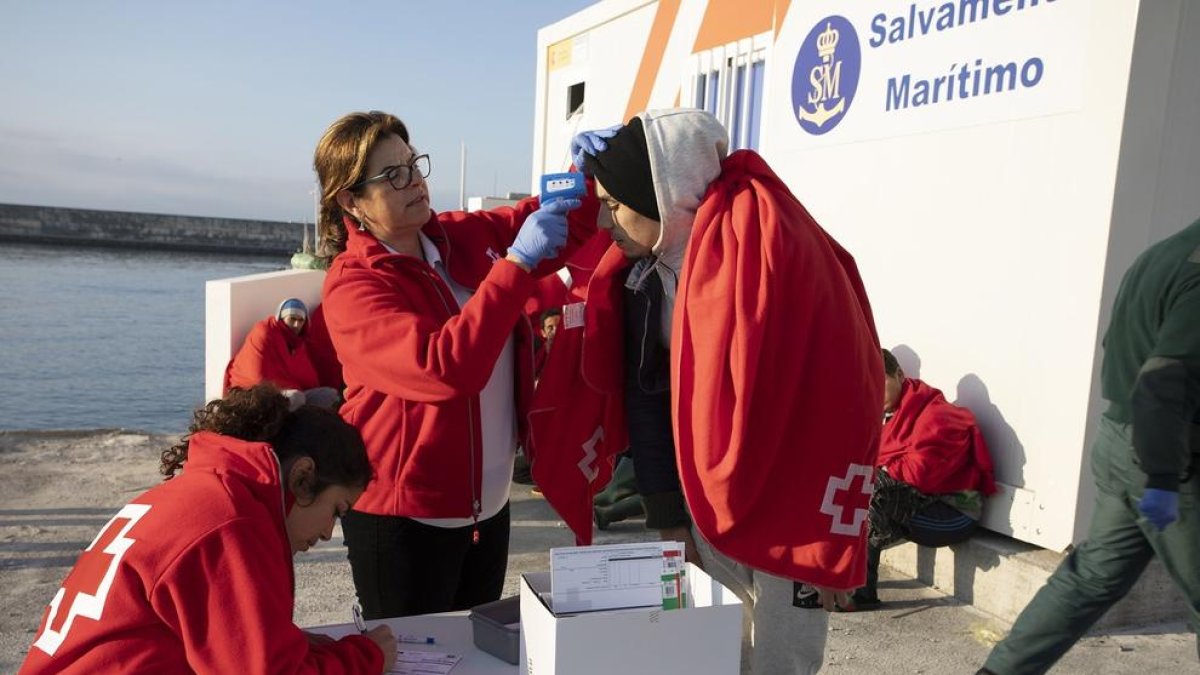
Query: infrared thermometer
562, 186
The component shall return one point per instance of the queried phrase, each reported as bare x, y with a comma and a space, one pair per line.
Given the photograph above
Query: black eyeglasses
400, 176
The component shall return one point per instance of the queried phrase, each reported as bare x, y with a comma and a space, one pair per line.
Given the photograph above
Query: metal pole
316, 194
462, 176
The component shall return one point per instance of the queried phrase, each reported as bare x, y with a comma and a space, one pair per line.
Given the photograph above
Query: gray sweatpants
778, 638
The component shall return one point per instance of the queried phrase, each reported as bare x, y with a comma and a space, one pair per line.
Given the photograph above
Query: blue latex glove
591, 142
1161, 507
543, 233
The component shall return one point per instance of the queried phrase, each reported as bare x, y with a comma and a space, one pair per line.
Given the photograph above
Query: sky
214, 108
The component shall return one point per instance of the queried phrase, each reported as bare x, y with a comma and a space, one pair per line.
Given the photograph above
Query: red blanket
577, 420
272, 352
934, 445
776, 383
320, 348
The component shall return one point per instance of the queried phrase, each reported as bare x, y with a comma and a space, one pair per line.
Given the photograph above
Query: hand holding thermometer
562, 186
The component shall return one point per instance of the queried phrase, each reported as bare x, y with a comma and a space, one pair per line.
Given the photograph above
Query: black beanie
623, 168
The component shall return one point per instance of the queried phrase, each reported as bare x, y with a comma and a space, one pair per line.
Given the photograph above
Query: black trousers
403, 567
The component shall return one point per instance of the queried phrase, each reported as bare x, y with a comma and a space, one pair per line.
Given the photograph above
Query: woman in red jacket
196, 574
425, 313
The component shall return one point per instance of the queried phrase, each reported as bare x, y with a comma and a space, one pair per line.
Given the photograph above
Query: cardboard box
704, 638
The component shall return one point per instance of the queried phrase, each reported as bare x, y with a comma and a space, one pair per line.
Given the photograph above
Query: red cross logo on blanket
86, 588
858, 501
588, 464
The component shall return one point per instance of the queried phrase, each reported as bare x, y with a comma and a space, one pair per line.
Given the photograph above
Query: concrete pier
122, 229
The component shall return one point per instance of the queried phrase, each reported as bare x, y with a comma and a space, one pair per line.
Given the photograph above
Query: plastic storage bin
496, 628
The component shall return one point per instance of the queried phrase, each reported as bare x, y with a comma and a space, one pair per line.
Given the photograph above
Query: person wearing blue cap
277, 350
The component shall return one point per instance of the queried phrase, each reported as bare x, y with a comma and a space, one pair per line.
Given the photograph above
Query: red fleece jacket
414, 362
577, 421
195, 575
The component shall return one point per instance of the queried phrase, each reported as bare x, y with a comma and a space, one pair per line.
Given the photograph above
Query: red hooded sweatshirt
195, 575
414, 363
934, 445
577, 421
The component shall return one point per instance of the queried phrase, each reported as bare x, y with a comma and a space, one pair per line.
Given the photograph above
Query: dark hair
890, 365
340, 161
553, 311
260, 413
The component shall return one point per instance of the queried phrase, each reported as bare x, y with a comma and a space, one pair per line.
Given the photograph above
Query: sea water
96, 338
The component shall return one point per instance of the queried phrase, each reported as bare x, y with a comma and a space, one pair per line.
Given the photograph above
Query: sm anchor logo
826, 75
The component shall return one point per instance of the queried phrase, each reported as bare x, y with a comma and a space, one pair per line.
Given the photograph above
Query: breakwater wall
123, 229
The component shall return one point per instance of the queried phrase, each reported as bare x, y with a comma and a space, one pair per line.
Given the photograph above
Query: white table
452, 631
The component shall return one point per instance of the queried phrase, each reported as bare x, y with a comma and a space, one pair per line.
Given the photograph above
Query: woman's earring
362, 227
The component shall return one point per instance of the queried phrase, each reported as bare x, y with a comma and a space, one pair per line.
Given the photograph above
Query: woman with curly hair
196, 574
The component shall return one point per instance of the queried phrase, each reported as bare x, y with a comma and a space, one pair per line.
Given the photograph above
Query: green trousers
1102, 569
620, 499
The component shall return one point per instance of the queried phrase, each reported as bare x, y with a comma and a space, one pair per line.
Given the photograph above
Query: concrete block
1000, 575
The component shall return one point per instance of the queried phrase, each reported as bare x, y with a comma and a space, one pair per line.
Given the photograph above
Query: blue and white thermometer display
562, 186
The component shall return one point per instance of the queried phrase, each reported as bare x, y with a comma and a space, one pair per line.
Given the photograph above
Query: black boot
622, 484
521, 472
867, 597
624, 509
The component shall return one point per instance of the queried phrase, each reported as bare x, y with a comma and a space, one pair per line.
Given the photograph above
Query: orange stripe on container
781, 9
656, 47
731, 20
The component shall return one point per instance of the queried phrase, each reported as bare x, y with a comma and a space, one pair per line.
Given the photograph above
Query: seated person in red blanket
934, 471
277, 350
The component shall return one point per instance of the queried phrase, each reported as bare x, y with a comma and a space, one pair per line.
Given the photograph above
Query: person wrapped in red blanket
280, 349
751, 382
933, 472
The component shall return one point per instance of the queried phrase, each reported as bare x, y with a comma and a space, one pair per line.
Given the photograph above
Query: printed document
415, 662
613, 576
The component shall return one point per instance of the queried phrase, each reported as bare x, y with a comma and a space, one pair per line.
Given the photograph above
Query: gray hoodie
686, 149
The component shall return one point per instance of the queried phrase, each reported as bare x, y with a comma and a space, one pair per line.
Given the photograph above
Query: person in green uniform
1145, 460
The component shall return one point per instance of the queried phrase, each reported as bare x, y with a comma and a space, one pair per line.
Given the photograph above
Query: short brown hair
890, 365
340, 161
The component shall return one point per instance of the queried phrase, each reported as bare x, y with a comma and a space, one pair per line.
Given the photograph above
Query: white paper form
415, 662
590, 578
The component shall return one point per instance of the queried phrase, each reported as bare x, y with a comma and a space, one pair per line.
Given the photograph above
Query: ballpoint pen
356, 612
